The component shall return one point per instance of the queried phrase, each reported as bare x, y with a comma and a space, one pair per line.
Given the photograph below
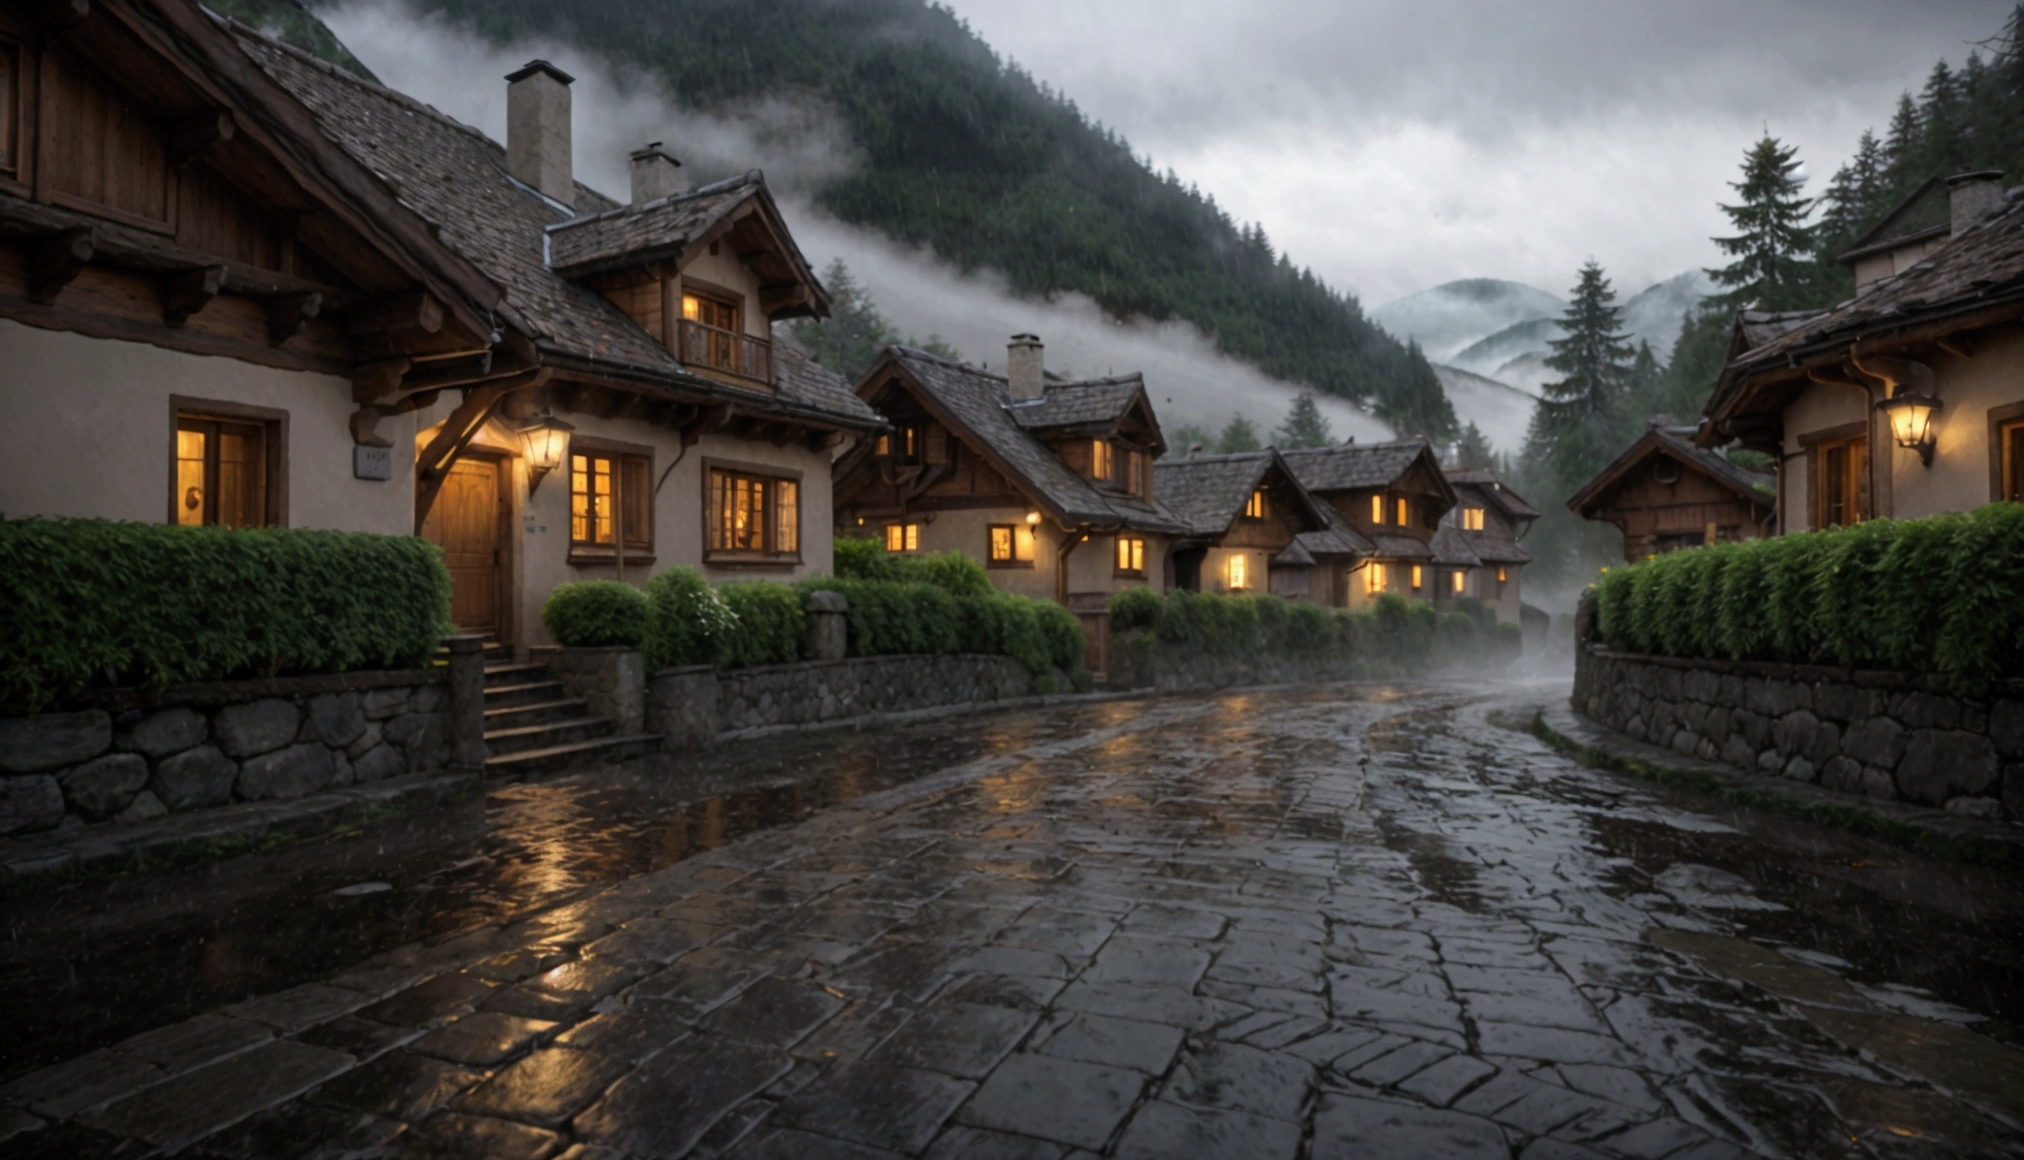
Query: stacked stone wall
132, 757
690, 706
1883, 735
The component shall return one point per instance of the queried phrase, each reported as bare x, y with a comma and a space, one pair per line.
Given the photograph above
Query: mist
800, 146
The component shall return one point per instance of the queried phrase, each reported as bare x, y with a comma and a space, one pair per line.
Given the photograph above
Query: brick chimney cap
539, 66
1025, 338
654, 149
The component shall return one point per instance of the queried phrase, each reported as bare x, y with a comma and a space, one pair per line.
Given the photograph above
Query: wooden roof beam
289, 313
185, 294
57, 261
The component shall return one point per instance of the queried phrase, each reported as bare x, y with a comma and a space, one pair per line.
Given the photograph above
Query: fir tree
1575, 426
850, 339
1472, 451
1305, 425
1773, 246
1187, 437
1902, 149
1238, 435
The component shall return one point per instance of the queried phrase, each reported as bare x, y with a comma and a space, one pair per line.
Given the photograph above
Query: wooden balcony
726, 354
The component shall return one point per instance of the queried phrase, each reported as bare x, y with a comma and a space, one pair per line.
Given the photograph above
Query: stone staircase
533, 725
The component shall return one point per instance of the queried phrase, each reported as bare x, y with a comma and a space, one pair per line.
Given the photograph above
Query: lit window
1099, 460
1401, 521
903, 537
1377, 509
1500, 575
754, 514
1472, 519
1373, 577
1131, 554
604, 486
1254, 508
1461, 582
1416, 577
885, 445
1240, 573
1011, 545
223, 469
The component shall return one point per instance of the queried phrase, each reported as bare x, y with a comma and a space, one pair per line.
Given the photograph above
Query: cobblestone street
1355, 921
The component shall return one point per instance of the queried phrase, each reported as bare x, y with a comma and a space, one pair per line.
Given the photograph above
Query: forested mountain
968, 154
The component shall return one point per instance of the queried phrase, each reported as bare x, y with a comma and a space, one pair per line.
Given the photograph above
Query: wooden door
466, 522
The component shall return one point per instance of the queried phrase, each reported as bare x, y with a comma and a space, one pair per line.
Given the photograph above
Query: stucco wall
89, 432
1959, 477
727, 272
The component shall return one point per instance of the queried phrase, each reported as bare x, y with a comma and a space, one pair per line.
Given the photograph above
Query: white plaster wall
1958, 480
967, 530
87, 432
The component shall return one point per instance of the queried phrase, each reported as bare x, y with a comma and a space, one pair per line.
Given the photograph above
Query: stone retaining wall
1136, 663
691, 706
1885, 735
139, 756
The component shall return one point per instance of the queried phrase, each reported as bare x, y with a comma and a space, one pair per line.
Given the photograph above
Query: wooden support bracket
287, 315
415, 310
824, 440
379, 381
433, 465
59, 260
365, 428
184, 294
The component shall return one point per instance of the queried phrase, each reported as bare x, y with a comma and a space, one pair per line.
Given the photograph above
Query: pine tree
1305, 425
1188, 436
850, 339
1472, 451
1942, 145
1773, 246
1902, 150
1238, 435
1851, 204
1576, 424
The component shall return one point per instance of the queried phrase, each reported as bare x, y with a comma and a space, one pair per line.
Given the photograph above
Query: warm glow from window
1401, 521
1099, 460
885, 445
1131, 554
752, 513
1500, 575
1011, 544
589, 499
1373, 577
1377, 509
1254, 508
1472, 519
903, 537
1240, 573
1461, 582
1416, 577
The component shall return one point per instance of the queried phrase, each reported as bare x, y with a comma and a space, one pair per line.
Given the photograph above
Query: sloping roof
658, 229
1754, 328
1756, 487
1338, 539
1208, 492
1924, 212
1355, 465
1094, 402
1294, 555
1450, 546
1496, 547
1976, 278
455, 178
1486, 484
978, 404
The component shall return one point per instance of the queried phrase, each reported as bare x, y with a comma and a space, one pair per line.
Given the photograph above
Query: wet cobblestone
1353, 922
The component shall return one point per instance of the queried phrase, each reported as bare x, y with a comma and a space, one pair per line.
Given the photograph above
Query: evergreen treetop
1773, 246
1305, 425
1239, 434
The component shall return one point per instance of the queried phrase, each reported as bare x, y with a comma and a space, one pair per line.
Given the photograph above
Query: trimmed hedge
687, 620
1404, 633
596, 614
94, 603
770, 620
1941, 595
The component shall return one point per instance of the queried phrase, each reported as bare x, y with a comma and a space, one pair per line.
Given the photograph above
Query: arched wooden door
469, 522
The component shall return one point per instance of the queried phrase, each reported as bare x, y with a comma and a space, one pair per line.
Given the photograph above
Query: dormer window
1377, 509
1099, 460
1403, 512
1254, 507
904, 443
1472, 519
713, 338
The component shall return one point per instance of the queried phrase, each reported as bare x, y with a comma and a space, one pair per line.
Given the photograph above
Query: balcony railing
709, 348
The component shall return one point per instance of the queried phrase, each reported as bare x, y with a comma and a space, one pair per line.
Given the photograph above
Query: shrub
1941, 595
952, 572
686, 620
770, 620
1456, 635
90, 603
1210, 621
596, 614
1136, 608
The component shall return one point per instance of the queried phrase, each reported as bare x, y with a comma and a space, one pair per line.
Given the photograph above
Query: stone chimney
656, 174
1024, 366
537, 129
1973, 197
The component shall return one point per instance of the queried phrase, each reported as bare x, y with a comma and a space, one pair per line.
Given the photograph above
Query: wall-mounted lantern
547, 440
1911, 421
1032, 519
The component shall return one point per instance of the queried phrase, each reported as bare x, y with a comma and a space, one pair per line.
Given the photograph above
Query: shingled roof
1092, 405
1450, 547
455, 178
1758, 488
1208, 492
1495, 490
978, 405
1352, 466
1336, 540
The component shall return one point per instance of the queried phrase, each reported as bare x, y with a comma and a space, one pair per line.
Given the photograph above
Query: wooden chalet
1478, 542
1245, 515
1908, 399
242, 286
1048, 484
1390, 496
1664, 493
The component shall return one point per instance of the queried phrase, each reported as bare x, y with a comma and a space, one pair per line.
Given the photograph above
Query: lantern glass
1911, 422
1032, 518
547, 439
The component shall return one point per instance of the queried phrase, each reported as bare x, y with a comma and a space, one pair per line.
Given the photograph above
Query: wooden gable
948, 469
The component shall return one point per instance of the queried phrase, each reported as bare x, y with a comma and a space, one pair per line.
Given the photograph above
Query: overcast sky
1396, 144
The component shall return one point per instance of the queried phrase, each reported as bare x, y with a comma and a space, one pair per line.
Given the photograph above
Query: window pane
1022, 545
896, 538
1416, 575
786, 516
242, 477
1401, 521
190, 445
1377, 509
1001, 543
1461, 582
639, 503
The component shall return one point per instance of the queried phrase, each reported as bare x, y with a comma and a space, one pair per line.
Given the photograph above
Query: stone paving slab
1225, 927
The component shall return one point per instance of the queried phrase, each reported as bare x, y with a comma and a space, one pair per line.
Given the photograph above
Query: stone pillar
828, 630
467, 702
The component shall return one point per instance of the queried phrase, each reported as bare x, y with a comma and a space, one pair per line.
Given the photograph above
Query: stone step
527, 761
504, 696
518, 739
535, 712
510, 673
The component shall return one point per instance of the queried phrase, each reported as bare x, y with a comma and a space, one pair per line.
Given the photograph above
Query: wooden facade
1664, 494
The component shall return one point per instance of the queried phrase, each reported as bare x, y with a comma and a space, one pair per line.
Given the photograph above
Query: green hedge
688, 622
596, 614
770, 620
1398, 632
1941, 595
95, 603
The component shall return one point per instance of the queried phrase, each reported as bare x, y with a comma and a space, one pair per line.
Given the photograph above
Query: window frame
2006, 459
909, 537
1377, 506
1374, 578
1472, 519
1419, 576
632, 469
1012, 534
1254, 505
1102, 460
182, 407
1124, 563
1404, 510
1818, 446
1460, 583
771, 557
1237, 572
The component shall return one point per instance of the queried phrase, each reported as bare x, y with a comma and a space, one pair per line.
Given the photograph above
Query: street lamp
1911, 421
547, 440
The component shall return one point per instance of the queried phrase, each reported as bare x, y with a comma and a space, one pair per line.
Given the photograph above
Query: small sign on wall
372, 462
